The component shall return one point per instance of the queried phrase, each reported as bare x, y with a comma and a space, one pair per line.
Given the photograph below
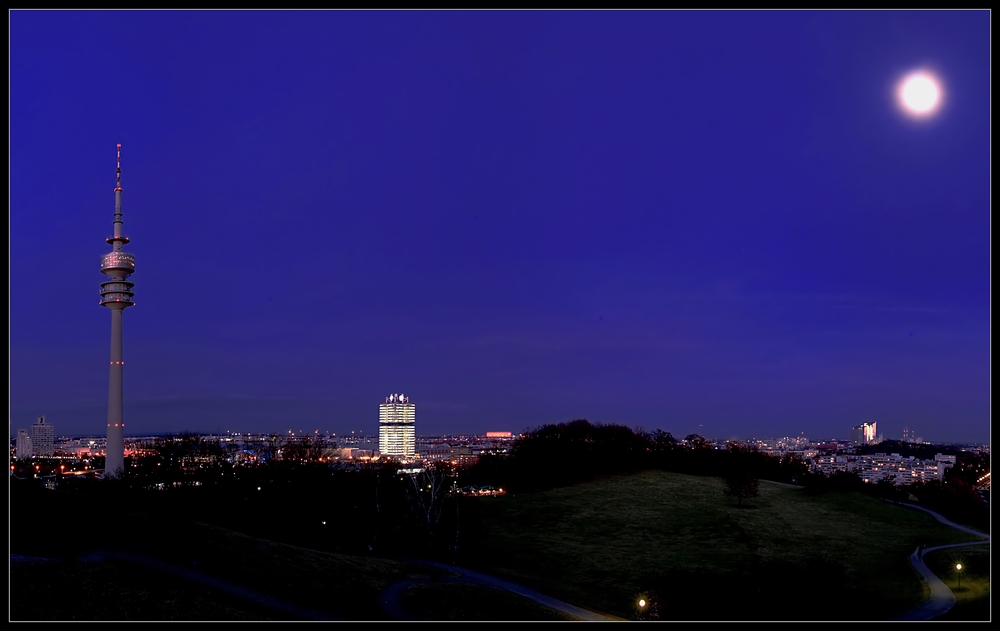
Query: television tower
116, 295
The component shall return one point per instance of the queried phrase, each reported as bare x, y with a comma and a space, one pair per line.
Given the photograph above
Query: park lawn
972, 599
343, 586
454, 601
603, 544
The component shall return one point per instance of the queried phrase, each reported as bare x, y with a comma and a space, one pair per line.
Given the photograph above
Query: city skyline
711, 222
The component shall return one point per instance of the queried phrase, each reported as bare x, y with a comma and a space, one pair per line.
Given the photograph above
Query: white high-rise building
43, 438
23, 444
397, 426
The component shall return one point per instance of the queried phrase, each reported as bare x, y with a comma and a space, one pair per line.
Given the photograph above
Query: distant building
864, 434
42, 438
397, 426
435, 451
876, 467
23, 444
499, 435
946, 461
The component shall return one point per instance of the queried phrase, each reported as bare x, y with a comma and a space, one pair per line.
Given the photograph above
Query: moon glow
919, 94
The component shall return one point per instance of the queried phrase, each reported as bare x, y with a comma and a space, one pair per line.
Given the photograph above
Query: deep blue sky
714, 222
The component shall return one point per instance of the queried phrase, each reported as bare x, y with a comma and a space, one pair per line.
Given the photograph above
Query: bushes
955, 499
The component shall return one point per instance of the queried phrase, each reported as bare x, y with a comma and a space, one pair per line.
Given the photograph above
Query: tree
887, 489
426, 493
740, 484
697, 441
663, 441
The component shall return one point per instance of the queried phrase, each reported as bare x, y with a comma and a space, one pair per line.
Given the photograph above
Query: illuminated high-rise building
116, 295
23, 444
43, 438
864, 434
397, 426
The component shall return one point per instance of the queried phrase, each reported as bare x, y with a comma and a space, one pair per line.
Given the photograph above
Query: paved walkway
941, 599
390, 597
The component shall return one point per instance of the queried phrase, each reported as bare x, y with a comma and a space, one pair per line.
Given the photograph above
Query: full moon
919, 94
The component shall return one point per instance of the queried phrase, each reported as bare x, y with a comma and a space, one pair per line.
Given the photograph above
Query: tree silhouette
426, 493
741, 483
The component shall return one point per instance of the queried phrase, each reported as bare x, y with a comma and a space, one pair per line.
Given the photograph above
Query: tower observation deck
116, 294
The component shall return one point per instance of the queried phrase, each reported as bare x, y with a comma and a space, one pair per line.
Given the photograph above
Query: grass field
677, 541
972, 599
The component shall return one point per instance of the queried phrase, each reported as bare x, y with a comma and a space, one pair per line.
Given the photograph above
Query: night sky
717, 222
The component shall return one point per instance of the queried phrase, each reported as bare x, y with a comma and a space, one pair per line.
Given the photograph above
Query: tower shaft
116, 294
115, 451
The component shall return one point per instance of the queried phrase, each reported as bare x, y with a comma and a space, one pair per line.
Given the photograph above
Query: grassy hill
678, 542
672, 539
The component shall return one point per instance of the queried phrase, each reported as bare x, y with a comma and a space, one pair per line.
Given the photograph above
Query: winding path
941, 599
389, 599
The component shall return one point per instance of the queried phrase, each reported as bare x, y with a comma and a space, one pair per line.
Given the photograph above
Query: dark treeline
569, 453
294, 499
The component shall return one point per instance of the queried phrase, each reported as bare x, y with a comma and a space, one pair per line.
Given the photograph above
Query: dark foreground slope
679, 543
106, 562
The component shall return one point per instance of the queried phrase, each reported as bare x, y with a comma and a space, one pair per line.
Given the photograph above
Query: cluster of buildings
799, 445
39, 441
860, 435
876, 467
397, 438
910, 436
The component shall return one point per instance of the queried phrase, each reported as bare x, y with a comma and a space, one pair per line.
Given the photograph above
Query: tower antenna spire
118, 171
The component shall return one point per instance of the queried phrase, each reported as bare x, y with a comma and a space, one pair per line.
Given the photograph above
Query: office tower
116, 295
871, 435
863, 434
396, 426
42, 438
23, 444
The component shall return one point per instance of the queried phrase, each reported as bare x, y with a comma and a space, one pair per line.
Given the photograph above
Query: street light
958, 568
